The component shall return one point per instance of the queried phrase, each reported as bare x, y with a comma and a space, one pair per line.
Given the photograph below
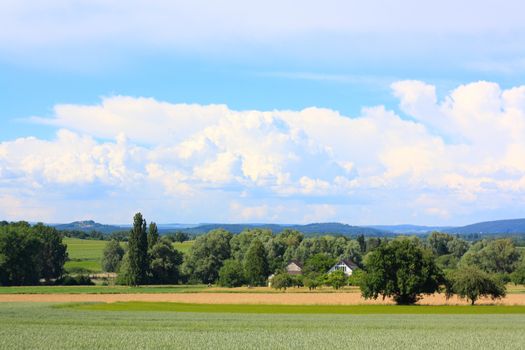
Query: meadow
45, 326
86, 255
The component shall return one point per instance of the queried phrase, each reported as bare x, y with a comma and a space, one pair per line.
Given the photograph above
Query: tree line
404, 268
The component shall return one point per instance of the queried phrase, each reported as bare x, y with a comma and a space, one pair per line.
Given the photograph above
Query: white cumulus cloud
454, 158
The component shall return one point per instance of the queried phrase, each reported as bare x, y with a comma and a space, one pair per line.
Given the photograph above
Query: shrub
281, 281
79, 280
312, 280
336, 279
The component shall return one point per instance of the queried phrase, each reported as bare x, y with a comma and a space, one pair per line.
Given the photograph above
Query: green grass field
87, 254
44, 326
301, 309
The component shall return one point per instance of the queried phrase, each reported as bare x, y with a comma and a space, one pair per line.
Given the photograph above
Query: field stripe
297, 309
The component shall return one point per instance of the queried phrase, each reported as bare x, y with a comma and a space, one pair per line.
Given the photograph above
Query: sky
269, 112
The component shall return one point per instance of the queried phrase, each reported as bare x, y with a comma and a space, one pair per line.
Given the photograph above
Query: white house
346, 266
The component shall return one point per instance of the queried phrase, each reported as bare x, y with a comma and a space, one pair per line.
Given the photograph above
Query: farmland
86, 255
41, 325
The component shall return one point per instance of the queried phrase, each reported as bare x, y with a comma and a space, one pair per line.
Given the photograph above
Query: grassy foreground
42, 326
299, 309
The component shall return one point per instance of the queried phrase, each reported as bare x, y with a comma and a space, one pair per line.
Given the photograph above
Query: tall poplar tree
256, 264
153, 235
138, 259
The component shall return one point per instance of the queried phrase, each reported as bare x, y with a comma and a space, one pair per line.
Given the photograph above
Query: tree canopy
401, 269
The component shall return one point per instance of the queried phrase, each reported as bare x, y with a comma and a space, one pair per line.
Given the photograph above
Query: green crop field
45, 326
84, 254
87, 254
300, 309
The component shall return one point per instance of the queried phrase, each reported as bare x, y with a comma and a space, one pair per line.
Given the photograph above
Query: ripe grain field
44, 326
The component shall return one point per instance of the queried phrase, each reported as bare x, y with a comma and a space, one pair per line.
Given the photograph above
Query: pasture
46, 326
86, 255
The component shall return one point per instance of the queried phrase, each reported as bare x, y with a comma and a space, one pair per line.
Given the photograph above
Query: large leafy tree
231, 274
53, 252
165, 262
138, 261
401, 269
472, 283
207, 255
112, 256
256, 264
336, 279
496, 256
20, 256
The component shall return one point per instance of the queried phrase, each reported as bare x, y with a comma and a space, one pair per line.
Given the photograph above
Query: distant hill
309, 229
512, 226
410, 229
88, 226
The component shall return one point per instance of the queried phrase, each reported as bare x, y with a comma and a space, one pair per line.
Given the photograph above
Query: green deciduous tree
256, 264
336, 279
112, 256
231, 274
313, 280
401, 269
281, 281
164, 263
319, 263
496, 256
20, 256
207, 255
53, 252
472, 283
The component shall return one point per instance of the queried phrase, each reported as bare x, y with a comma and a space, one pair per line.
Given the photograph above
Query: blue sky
418, 111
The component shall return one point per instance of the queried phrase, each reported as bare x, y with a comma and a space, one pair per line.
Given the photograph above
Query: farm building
346, 266
294, 267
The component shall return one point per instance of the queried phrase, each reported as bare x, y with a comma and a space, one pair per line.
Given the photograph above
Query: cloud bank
445, 161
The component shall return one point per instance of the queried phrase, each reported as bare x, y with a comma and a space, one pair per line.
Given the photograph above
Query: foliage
137, 263
438, 242
256, 264
112, 256
164, 263
336, 279
401, 269
231, 274
313, 280
20, 256
281, 281
79, 280
240, 243
30, 253
496, 256
447, 261
178, 237
53, 252
355, 278
518, 276
472, 283
207, 255
319, 263
153, 235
